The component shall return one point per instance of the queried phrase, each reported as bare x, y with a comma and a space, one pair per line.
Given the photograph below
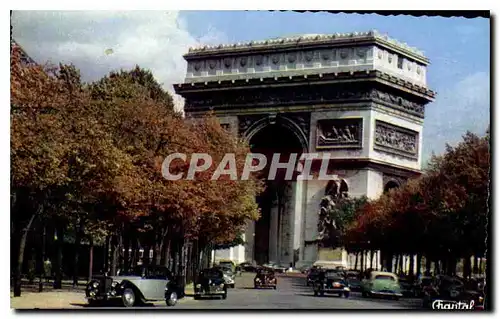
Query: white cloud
463, 107
155, 40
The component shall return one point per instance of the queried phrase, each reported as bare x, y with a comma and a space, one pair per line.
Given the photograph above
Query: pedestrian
47, 269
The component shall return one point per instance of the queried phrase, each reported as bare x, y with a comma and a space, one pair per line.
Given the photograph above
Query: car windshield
384, 277
135, 271
333, 274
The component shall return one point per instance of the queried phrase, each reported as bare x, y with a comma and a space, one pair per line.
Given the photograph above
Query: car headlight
114, 284
221, 285
198, 286
95, 284
481, 299
257, 279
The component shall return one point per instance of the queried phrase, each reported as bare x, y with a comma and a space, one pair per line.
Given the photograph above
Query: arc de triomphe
359, 96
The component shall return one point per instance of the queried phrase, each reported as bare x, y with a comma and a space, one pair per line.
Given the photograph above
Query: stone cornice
368, 163
306, 41
312, 79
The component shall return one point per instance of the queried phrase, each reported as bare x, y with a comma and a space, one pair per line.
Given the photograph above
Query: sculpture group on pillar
327, 228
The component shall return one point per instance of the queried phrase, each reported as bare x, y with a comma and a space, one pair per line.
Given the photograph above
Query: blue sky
459, 50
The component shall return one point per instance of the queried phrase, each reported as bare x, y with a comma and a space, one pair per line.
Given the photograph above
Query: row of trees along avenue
440, 218
86, 163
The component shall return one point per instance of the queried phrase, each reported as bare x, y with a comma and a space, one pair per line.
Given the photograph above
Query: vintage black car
229, 275
135, 287
210, 283
331, 281
408, 287
312, 275
452, 289
265, 278
354, 280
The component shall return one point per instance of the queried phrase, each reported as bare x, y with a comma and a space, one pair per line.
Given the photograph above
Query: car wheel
396, 298
171, 298
196, 297
224, 296
275, 287
315, 293
322, 293
346, 294
364, 294
231, 286
128, 297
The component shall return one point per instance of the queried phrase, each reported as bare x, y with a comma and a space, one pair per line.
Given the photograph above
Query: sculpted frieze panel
395, 139
285, 96
339, 133
398, 101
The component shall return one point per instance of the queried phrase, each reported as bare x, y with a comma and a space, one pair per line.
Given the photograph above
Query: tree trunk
42, 257
135, 252
59, 256
126, 253
106, 254
371, 258
475, 269
20, 257
114, 255
427, 265
419, 265
412, 265
362, 263
167, 254
402, 264
91, 257
78, 235
396, 263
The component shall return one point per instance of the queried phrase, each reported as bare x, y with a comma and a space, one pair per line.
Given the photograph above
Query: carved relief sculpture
339, 133
397, 140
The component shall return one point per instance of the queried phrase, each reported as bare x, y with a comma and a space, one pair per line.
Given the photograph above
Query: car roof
382, 273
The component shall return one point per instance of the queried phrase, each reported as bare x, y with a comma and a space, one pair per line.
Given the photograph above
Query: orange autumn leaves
442, 212
102, 144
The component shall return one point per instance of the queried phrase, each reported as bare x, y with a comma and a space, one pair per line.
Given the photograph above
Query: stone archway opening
390, 185
272, 236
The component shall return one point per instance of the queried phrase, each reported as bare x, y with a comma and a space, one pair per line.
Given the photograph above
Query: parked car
228, 264
312, 275
277, 268
248, 267
331, 281
451, 289
135, 287
265, 278
354, 280
407, 287
229, 275
380, 283
210, 282
422, 283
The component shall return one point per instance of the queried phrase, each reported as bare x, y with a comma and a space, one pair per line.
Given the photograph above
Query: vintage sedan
382, 284
210, 283
312, 275
229, 275
353, 279
136, 287
331, 281
265, 278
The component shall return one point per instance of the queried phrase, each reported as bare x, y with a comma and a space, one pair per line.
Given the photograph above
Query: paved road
291, 294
